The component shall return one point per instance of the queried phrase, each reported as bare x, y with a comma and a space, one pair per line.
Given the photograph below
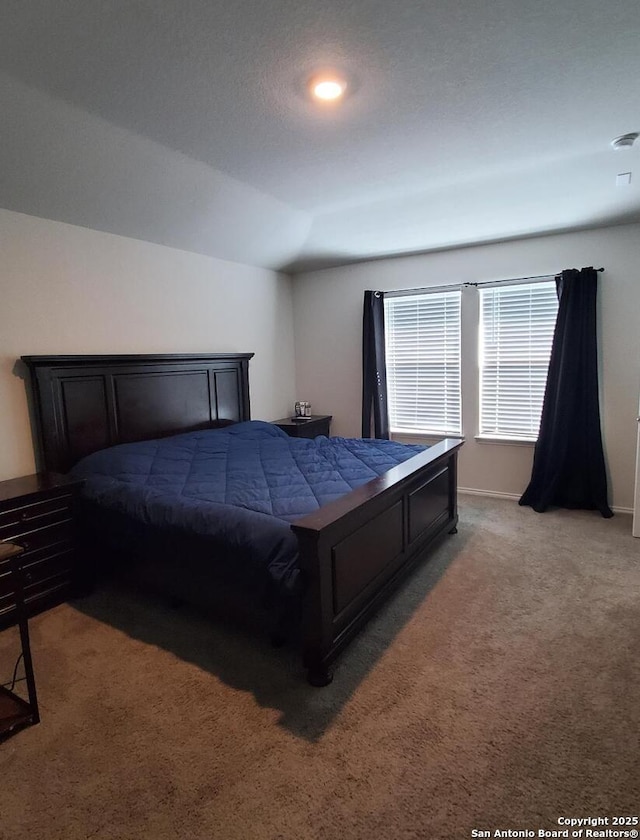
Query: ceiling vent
625, 141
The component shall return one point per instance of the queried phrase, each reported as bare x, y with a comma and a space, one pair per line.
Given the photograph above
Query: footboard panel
428, 504
355, 550
360, 558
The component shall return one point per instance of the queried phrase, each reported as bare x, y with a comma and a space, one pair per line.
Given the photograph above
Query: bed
350, 552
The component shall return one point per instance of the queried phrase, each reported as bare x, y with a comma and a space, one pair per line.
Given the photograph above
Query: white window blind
516, 332
423, 362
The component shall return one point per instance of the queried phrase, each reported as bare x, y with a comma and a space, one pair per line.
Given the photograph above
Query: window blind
516, 332
422, 334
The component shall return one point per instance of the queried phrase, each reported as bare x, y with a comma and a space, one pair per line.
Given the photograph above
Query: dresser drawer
59, 542
28, 517
45, 593
44, 565
41, 538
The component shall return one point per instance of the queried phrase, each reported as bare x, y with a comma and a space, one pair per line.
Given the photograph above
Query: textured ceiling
186, 123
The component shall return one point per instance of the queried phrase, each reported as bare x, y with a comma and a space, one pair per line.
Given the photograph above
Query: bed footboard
355, 551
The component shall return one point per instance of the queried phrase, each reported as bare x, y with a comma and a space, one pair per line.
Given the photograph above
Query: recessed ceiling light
625, 141
327, 88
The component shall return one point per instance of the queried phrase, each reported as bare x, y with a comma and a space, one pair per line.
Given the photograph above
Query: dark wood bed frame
353, 551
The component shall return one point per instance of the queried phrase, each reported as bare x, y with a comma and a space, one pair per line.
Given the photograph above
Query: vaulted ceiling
188, 123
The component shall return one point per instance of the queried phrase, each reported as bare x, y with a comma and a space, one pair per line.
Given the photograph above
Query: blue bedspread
238, 486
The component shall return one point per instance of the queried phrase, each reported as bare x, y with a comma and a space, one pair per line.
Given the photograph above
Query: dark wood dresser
37, 513
309, 427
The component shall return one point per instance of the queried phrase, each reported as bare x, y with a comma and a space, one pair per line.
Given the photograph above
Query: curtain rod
519, 279
453, 286
405, 292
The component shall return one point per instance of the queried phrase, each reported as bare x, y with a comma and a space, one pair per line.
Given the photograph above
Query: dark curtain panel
374, 374
568, 464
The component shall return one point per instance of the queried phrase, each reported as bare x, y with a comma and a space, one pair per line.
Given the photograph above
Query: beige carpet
498, 690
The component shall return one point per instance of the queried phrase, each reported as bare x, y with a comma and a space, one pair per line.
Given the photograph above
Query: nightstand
37, 513
310, 427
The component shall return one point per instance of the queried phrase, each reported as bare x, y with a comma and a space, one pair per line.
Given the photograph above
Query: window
516, 332
423, 362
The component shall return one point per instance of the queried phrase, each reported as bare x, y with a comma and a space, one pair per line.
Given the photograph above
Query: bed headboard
85, 403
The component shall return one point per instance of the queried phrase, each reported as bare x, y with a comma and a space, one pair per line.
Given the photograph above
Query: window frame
504, 437
425, 432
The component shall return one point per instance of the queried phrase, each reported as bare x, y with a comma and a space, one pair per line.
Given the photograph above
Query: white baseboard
472, 491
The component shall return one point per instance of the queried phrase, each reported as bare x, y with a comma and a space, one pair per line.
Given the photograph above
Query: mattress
235, 489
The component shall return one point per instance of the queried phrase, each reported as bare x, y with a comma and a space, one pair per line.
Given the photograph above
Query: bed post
315, 564
453, 491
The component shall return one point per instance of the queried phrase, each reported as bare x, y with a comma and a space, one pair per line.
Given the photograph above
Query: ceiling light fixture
327, 88
625, 141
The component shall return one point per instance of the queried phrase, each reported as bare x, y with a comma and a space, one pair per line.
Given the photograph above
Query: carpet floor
498, 690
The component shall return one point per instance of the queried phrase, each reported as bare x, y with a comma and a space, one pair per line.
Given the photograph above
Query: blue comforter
238, 487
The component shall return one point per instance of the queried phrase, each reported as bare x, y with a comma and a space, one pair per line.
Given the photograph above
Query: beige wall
65, 289
328, 329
